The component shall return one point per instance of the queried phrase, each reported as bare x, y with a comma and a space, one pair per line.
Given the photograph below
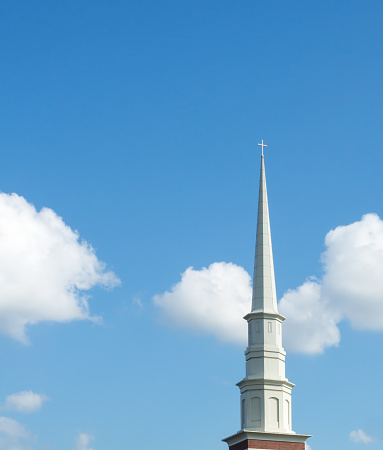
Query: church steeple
265, 391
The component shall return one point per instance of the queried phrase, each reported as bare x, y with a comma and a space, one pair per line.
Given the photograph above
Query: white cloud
353, 279
13, 436
216, 298
44, 268
360, 436
308, 447
83, 441
12, 428
137, 302
351, 289
26, 402
213, 299
311, 324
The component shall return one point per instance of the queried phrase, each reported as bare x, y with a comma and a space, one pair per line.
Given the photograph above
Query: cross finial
262, 145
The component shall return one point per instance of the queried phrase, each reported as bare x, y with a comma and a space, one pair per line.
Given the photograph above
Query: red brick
272, 445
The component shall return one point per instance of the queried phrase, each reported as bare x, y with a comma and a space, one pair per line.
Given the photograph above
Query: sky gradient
136, 124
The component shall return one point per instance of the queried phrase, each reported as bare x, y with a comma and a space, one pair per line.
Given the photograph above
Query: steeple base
251, 440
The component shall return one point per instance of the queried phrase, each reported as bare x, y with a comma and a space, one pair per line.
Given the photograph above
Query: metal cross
262, 145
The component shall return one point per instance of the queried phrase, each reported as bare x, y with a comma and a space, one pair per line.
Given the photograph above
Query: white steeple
265, 391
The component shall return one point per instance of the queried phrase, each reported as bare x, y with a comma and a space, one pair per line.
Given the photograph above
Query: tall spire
264, 291
265, 390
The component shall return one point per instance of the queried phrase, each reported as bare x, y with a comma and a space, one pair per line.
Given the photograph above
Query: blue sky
137, 123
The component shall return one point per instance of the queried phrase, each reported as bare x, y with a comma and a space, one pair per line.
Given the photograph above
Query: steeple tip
264, 290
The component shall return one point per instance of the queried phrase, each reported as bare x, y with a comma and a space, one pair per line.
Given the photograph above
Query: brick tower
265, 391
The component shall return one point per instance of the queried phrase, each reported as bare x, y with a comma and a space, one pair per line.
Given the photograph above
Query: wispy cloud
215, 299
25, 402
360, 436
137, 302
44, 268
13, 436
83, 441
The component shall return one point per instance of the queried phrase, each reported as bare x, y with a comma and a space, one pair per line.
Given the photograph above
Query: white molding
263, 436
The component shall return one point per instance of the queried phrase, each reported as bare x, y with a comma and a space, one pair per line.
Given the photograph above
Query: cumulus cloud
25, 402
350, 289
312, 322
44, 268
83, 441
212, 299
353, 277
360, 436
308, 447
13, 436
216, 298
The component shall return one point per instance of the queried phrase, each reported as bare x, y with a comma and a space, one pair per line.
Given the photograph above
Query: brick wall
273, 445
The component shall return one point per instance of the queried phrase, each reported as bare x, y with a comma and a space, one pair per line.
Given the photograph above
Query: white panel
274, 412
287, 414
256, 411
